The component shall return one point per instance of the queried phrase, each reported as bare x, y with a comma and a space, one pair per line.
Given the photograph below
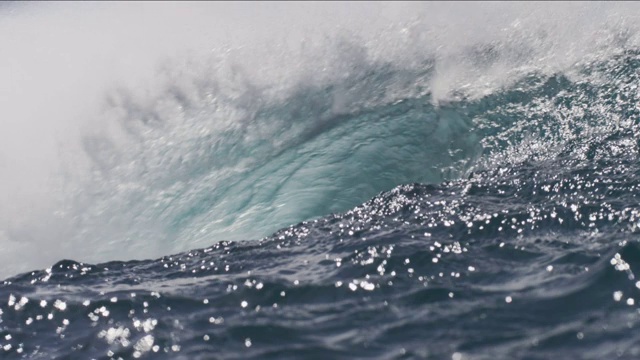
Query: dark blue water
521, 244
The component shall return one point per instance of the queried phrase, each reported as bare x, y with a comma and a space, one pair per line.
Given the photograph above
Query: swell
229, 168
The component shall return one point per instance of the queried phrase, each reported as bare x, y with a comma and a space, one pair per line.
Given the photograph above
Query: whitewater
319, 180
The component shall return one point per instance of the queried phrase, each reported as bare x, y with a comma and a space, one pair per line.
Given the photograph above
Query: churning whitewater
342, 180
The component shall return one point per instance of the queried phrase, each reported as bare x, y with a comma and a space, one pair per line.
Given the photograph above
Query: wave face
462, 187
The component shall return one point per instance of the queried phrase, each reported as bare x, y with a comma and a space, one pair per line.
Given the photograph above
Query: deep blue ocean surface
500, 221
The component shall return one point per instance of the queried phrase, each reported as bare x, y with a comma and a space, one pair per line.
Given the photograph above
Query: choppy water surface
505, 224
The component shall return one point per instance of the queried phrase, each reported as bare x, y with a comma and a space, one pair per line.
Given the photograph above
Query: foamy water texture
132, 131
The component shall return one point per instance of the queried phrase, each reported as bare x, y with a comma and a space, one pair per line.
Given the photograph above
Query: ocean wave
420, 184
169, 137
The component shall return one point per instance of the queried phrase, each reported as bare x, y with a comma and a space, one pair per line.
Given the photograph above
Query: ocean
319, 181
